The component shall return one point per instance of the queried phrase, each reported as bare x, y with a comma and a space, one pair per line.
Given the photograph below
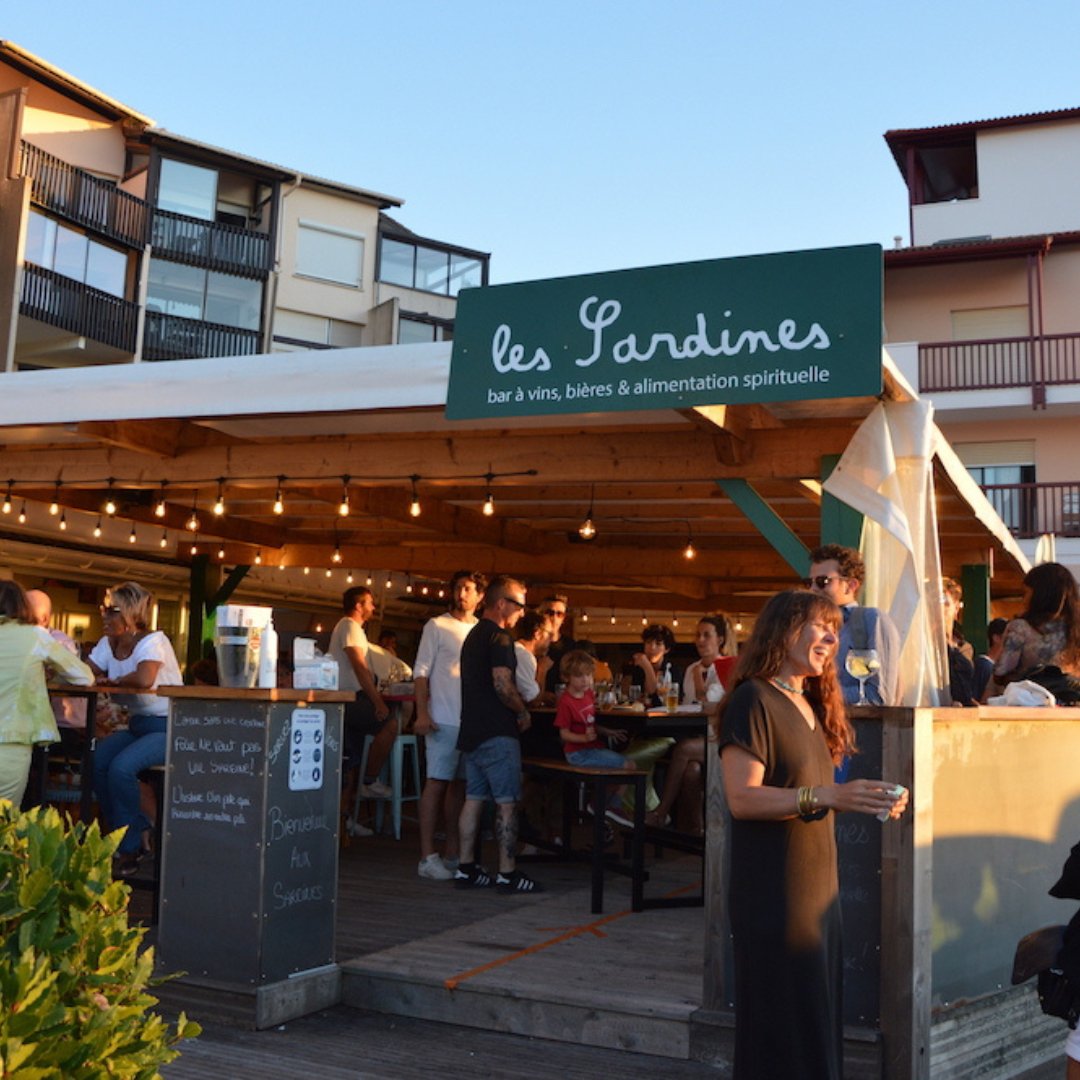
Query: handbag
1064, 687
1057, 996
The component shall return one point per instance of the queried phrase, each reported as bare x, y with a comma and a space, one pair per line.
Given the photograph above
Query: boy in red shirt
575, 721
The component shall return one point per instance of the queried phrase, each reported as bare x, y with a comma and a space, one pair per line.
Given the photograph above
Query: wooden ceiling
652, 485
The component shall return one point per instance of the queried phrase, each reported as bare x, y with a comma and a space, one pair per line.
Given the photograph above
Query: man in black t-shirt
492, 718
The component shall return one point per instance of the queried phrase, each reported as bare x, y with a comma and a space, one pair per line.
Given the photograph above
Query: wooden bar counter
249, 855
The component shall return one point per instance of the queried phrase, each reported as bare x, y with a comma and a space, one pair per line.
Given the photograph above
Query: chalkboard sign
249, 866
858, 842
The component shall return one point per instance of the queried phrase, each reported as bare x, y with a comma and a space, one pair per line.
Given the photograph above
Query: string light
612, 616
54, 506
644, 620
389, 582
408, 584
414, 506
279, 502
689, 552
221, 553
738, 625
193, 521
348, 577
258, 557
110, 501
131, 536
63, 521
423, 590
675, 622
343, 506
336, 557
159, 510
97, 527
307, 569
368, 580
219, 505
587, 530
22, 513
7, 498
584, 616
329, 572
489, 502
164, 541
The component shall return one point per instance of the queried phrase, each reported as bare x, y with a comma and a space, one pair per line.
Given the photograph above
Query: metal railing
70, 305
171, 337
1030, 510
207, 243
999, 363
83, 198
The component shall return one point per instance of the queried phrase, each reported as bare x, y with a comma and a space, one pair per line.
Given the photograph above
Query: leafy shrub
73, 1000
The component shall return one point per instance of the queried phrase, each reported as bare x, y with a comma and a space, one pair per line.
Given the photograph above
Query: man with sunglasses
838, 573
492, 719
554, 611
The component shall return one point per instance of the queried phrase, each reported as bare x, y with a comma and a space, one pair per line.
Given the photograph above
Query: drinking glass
634, 694
861, 664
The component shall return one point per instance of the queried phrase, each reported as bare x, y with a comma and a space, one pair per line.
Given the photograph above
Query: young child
576, 724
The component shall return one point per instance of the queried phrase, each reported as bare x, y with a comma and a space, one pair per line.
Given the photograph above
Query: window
418, 266
187, 189
330, 254
418, 330
194, 293
74, 255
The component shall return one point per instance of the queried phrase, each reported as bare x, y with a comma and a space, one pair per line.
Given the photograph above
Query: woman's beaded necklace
787, 686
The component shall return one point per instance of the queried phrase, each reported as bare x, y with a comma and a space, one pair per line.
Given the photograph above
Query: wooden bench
597, 781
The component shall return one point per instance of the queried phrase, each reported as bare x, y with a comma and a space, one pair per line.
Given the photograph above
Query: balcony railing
207, 243
170, 337
1033, 509
83, 198
999, 363
78, 308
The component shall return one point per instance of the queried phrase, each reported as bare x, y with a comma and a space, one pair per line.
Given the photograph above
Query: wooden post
717, 928
840, 524
975, 581
207, 591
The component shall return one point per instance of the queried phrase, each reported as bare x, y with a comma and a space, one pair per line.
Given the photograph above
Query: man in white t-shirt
437, 681
531, 646
369, 713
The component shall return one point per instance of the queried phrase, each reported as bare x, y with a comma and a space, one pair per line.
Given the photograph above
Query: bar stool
395, 766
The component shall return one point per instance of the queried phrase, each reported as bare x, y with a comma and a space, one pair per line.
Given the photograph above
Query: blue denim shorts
493, 770
597, 757
444, 760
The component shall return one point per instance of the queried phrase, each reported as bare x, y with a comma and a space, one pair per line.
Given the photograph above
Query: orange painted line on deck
587, 928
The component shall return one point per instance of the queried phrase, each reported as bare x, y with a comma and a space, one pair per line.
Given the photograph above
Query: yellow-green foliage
73, 1000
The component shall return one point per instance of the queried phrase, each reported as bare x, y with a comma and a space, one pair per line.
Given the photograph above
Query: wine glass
861, 664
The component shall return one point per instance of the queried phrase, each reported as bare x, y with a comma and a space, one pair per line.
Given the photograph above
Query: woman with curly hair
783, 727
1047, 630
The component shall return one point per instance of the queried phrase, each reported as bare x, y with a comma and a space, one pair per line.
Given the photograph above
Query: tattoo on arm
507, 690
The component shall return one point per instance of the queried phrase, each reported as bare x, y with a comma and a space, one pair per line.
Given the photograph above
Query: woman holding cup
783, 727
132, 658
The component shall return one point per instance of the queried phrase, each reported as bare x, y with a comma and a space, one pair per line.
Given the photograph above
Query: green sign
795, 326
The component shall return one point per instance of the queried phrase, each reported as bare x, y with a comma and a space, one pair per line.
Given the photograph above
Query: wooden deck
414, 951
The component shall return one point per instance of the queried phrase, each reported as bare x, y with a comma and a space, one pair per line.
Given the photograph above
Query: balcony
1030, 510
209, 244
82, 198
1001, 363
170, 337
70, 305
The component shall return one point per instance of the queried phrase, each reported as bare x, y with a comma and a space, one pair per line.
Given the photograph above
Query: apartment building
122, 242
981, 312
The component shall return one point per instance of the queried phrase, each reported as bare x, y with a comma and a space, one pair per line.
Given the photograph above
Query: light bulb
110, 506
587, 530
219, 504
164, 541
337, 555
307, 569
54, 508
329, 572
159, 509
22, 514
689, 552
584, 616
349, 578
7, 499
414, 507
489, 505
258, 558
279, 503
97, 527
221, 553
193, 522
131, 536
63, 521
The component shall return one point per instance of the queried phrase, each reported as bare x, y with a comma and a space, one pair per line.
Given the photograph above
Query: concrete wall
62, 127
1026, 186
1006, 811
313, 296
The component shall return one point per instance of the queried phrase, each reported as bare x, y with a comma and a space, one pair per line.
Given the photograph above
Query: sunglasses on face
512, 600
106, 611
552, 611
821, 581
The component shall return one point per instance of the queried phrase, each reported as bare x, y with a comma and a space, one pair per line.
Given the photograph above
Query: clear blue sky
570, 136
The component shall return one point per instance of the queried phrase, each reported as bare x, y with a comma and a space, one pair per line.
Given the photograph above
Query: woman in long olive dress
783, 726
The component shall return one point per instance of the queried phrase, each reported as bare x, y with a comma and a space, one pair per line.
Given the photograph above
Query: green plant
73, 1000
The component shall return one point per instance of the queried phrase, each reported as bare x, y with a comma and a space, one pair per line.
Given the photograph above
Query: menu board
249, 866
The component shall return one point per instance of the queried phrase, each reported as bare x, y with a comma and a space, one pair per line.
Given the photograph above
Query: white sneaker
433, 869
376, 790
